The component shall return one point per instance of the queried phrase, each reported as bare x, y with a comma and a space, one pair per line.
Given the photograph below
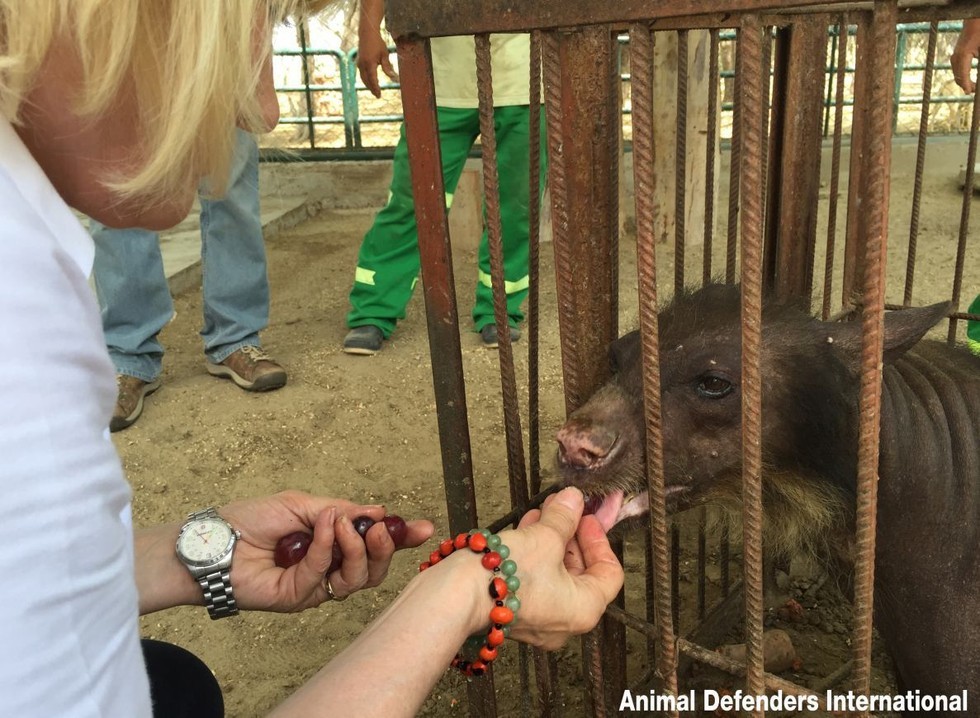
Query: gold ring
333, 596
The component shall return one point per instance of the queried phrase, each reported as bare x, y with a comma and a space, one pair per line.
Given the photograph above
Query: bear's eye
712, 386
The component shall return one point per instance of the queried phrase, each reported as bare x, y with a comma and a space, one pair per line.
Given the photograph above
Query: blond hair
194, 66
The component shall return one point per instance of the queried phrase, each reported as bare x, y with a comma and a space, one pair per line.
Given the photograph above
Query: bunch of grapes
291, 548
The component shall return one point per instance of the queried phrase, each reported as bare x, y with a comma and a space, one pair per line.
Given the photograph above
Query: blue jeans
133, 291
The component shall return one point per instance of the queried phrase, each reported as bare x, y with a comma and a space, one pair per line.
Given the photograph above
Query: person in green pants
967, 48
973, 327
388, 261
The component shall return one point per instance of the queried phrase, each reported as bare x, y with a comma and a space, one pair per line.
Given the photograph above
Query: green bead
508, 567
503, 551
493, 541
506, 631
513, 583
513, 603
486, 534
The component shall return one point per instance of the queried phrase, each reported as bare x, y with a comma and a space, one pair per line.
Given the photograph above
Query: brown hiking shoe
251, 369
129, 400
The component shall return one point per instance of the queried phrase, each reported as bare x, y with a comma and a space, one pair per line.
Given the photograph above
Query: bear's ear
903, 330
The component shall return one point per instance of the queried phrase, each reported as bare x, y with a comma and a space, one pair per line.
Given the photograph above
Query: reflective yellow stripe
509, 287
414, 282
364, 276
449, 200
974, 346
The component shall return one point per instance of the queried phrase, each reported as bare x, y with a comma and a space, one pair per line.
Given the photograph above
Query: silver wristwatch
205, 545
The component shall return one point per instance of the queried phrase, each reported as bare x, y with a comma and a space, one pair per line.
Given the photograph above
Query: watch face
204, 541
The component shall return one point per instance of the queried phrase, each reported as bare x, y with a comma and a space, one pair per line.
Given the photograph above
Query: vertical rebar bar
513, 434
534, 247
920, 161
545, 662
968, 187
641, 58
442, 317
711, 143
828, 274
735, 160
680, 163
753, 37
876, 157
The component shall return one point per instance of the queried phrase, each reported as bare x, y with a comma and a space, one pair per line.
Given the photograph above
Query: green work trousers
973, 328
388, 261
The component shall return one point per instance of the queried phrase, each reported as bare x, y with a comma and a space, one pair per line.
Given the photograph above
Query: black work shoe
489, 335
364, 340
129, 400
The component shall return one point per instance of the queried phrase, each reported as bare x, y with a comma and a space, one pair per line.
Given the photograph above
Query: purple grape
291, 549
362, 524
397, 529
336, 560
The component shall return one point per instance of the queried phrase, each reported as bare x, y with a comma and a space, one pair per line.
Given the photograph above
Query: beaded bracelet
480, 650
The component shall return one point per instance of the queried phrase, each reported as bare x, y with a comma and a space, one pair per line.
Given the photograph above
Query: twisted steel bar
533, 269
519, 494
881, 39
442, 318
680, 162
735, 160
545, 663
559, 209
828, 272
754, 107
920, 161
767, 108
641, 49
711, 141
514, 437
968, 186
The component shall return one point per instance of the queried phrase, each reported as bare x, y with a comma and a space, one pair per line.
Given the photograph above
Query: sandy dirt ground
365, 428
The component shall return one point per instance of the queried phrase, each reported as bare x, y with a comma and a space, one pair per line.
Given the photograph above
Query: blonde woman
118, 109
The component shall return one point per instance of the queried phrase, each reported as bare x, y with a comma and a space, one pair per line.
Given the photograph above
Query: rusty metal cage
771, 245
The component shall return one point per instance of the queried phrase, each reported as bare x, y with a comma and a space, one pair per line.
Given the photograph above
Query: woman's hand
261, 585
567, 569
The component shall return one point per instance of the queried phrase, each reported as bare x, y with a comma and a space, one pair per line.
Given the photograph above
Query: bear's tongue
613, 508
608, 511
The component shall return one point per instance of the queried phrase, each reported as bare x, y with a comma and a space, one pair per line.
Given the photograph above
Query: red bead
491, 560
446, 548
478, 542
424, 565
495, 637
434, 557
488, 654
498, 587
477, 668
501, 615
460, 541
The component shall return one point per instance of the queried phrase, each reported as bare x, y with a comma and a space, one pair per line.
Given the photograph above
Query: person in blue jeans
135, 300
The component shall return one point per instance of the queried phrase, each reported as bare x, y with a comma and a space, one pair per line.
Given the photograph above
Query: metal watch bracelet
219, 597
